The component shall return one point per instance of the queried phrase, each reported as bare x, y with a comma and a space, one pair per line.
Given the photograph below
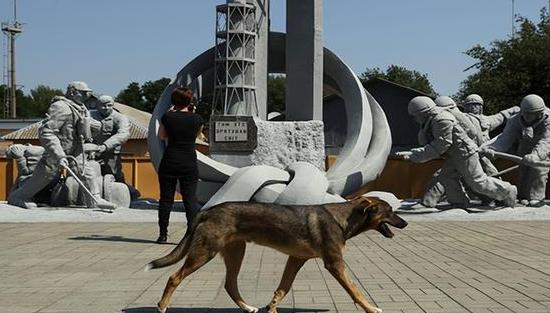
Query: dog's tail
176, 255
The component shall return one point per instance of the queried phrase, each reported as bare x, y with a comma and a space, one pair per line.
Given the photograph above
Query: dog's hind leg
195, 260
293, 265
233, 254
337, 269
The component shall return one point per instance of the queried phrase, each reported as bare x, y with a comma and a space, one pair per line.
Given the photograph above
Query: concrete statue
484, 124
477, 128
442, 136
26, 158
528, 135
110, 130
308, 65
435, 191
66, 137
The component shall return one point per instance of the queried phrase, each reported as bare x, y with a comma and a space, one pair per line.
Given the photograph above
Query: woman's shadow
113, 238
215, 310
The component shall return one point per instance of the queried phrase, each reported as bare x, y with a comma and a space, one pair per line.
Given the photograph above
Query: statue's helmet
79, 85
420, 104
105, 99
473, 99
532, 103
445, 102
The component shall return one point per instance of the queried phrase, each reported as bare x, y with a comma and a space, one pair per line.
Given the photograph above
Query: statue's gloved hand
530, 159
101, 149
405, 155
63, 162
15, 151
508, 113
488, 152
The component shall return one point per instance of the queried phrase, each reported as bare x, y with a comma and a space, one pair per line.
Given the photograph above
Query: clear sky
112, 43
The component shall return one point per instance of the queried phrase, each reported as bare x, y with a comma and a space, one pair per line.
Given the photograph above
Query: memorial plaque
232, 133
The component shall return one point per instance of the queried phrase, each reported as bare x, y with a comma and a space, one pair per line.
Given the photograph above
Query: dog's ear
364, 203
370, 203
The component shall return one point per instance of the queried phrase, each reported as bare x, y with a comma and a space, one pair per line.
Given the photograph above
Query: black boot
164, 217
162, 239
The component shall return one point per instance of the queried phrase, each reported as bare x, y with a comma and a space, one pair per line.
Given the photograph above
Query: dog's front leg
293, 265
336, 267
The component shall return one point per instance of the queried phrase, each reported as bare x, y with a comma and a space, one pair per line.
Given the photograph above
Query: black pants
188, 190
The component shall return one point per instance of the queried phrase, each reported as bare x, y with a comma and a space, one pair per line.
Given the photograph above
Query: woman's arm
162, 132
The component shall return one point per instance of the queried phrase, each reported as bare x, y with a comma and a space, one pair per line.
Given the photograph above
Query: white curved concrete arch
359, 128
244, 183
372, 164
308, 186
365, 150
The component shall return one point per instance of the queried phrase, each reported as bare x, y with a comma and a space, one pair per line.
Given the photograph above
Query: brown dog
302, 232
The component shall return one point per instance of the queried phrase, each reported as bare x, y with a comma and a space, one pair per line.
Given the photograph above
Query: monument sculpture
477, 128
67, 141
484, 124
26, 158
110, 130
241, 167
528, 135
442, 136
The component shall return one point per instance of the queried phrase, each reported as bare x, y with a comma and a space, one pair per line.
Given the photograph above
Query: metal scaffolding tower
11, 31
235, 88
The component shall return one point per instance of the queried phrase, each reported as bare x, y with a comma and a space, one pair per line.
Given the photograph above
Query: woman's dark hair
182, 96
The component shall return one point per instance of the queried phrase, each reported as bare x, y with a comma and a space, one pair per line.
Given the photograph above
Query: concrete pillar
304, 60
262, 18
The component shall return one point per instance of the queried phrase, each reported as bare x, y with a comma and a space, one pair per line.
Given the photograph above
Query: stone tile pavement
455, 267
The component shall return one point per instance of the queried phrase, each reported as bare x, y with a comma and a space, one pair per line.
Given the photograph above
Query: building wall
394, 100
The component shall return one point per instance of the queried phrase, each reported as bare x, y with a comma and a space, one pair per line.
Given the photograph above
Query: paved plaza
437, 266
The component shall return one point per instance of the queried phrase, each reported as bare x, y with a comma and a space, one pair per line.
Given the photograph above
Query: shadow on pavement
114, 238
214, 310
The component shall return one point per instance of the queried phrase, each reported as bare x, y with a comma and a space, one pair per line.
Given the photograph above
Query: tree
152, 90
132, 96
510, 69
34, 105
403, 76
143, 97
276, 89
41, 98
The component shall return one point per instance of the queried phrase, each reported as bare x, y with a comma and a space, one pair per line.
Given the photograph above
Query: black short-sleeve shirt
179, 158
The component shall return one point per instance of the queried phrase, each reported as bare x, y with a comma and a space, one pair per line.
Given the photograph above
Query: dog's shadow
113, 238
216, 310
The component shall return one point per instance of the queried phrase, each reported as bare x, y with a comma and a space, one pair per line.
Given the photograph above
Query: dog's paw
377, 310
250, 309
159, 310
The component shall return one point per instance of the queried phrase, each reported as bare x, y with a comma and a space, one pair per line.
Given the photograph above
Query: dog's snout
399, 222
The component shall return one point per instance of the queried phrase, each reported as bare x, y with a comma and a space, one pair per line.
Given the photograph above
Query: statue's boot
104, 204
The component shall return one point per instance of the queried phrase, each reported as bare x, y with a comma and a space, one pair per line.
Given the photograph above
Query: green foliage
34, 105
510, 69
152, 90
276, 89
131, 96
143, 97
403, 76
41, 98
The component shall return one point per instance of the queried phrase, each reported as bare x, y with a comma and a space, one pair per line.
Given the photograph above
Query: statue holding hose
527, 135
63, 135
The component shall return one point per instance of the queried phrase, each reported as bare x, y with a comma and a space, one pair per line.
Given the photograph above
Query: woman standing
179, 126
